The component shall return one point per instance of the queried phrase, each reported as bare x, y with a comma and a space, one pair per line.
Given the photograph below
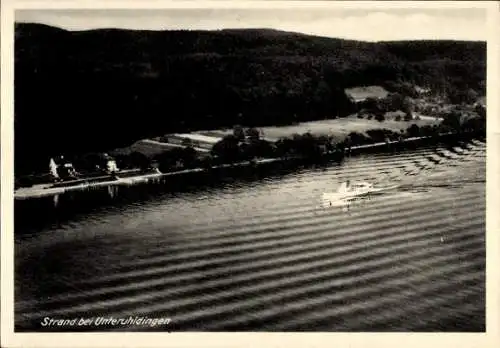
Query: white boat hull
344, 196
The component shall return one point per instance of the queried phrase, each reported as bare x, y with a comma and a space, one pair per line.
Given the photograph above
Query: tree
122, 161
427, 130
396, 101
139, 160
476, 125
169, 159
239, 133
253, 134
284, 147
355, 138
377, 135
480, 110
258, 148
380, 117
227, 149
187, 142
407, 106
453, 121
371, 103
306, 145
413, 130
90, 162
462, 96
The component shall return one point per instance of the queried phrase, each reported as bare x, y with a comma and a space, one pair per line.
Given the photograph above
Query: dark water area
255, 251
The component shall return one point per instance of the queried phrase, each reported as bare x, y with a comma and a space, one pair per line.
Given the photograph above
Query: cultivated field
149, 148
339, 128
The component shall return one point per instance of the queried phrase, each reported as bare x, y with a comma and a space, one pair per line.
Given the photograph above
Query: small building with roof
362, 93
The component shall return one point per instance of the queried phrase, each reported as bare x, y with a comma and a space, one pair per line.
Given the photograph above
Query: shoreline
46, 190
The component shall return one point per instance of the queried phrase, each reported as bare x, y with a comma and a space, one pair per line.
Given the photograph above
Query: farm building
361, 93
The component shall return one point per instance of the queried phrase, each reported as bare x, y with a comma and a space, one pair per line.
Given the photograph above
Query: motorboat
348, 192
356, 189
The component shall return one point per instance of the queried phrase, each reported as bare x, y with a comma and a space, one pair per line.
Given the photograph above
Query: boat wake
348, 193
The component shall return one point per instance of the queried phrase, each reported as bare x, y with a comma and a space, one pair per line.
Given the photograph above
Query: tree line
247, 144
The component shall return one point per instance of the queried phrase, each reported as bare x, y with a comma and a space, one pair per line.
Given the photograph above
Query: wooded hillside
101, 89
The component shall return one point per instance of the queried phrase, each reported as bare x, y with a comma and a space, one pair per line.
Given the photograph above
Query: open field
339, 128
150, 148
362, 92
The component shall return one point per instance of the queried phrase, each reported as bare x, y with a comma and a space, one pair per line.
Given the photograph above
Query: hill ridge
120, 86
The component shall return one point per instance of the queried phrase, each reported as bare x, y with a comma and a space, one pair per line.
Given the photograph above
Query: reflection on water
258, 254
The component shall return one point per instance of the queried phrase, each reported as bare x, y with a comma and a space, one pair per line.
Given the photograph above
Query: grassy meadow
338, 128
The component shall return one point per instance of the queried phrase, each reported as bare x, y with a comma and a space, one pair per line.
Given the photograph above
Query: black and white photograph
262, 169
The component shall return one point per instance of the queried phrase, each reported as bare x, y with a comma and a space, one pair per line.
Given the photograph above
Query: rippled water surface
261, 255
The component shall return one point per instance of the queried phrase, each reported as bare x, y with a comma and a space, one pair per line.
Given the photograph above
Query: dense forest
100, 89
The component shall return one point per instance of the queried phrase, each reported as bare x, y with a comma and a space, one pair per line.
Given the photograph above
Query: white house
111, 164
53, 168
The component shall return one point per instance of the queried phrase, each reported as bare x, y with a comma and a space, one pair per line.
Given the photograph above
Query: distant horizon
240, 29
371, 25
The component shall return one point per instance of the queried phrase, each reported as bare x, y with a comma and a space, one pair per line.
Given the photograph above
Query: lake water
262, 255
